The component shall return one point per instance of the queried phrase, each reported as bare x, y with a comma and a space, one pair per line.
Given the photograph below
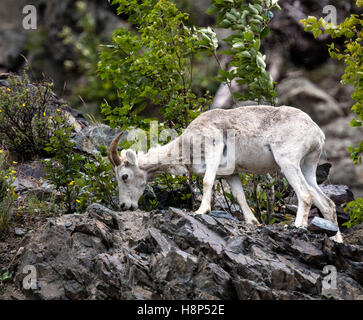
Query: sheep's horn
113, 155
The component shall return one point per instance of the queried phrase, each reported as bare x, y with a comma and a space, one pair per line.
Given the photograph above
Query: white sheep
223, 143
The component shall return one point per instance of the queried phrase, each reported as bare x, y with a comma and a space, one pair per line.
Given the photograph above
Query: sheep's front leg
208, 182
212, 164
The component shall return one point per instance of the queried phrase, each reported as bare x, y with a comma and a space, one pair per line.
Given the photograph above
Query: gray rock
340, 135
90, 138
172, 254
99, 212
340, 194
303, 94
68, 224
320, 225
19, 232
222, 214
11, 46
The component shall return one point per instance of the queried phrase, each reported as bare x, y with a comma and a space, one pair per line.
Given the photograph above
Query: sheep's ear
131, 157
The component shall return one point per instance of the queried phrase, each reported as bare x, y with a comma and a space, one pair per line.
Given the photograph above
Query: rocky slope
173, 254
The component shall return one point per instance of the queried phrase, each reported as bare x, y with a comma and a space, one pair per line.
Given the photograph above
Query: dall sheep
223, 143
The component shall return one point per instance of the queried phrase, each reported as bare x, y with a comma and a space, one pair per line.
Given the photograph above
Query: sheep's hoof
199, 211
301, 225
337, 238
254, 223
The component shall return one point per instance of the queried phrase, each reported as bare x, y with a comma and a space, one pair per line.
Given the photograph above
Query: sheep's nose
132, 208
123, 205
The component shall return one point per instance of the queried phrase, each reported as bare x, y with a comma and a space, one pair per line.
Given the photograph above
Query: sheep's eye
124, 177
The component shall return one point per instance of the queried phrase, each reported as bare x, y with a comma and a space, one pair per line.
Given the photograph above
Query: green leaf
248, 36
265, 32
212, 9
317, 33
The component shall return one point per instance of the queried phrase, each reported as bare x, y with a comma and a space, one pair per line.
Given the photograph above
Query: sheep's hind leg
237, 191
292, 171
325, 205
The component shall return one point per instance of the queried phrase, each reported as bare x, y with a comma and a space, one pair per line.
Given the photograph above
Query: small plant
355, 209
265, 196
26, 123
5, 275
6, 206
31, 206
179, 187
97, 183
7, 193
80, 179
64, 166
148, 204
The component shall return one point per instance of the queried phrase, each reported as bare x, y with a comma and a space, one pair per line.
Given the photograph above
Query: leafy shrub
26, 122
97, 182
64, 166
249, 22
80, 179
155, 65
265, 195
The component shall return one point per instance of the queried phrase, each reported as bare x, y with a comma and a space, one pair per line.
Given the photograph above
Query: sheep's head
130, 178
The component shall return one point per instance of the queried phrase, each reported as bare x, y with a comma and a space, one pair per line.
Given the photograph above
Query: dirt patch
354, 235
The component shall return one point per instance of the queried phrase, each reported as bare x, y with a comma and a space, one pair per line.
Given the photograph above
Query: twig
225, 198
229, 84
270, 199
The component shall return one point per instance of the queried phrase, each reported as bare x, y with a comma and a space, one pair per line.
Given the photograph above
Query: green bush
154, 65
248, 21
80, 179
26, 121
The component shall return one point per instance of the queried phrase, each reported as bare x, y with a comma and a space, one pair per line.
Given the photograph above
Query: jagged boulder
339, 136
173, 254
303, 94
91, 137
